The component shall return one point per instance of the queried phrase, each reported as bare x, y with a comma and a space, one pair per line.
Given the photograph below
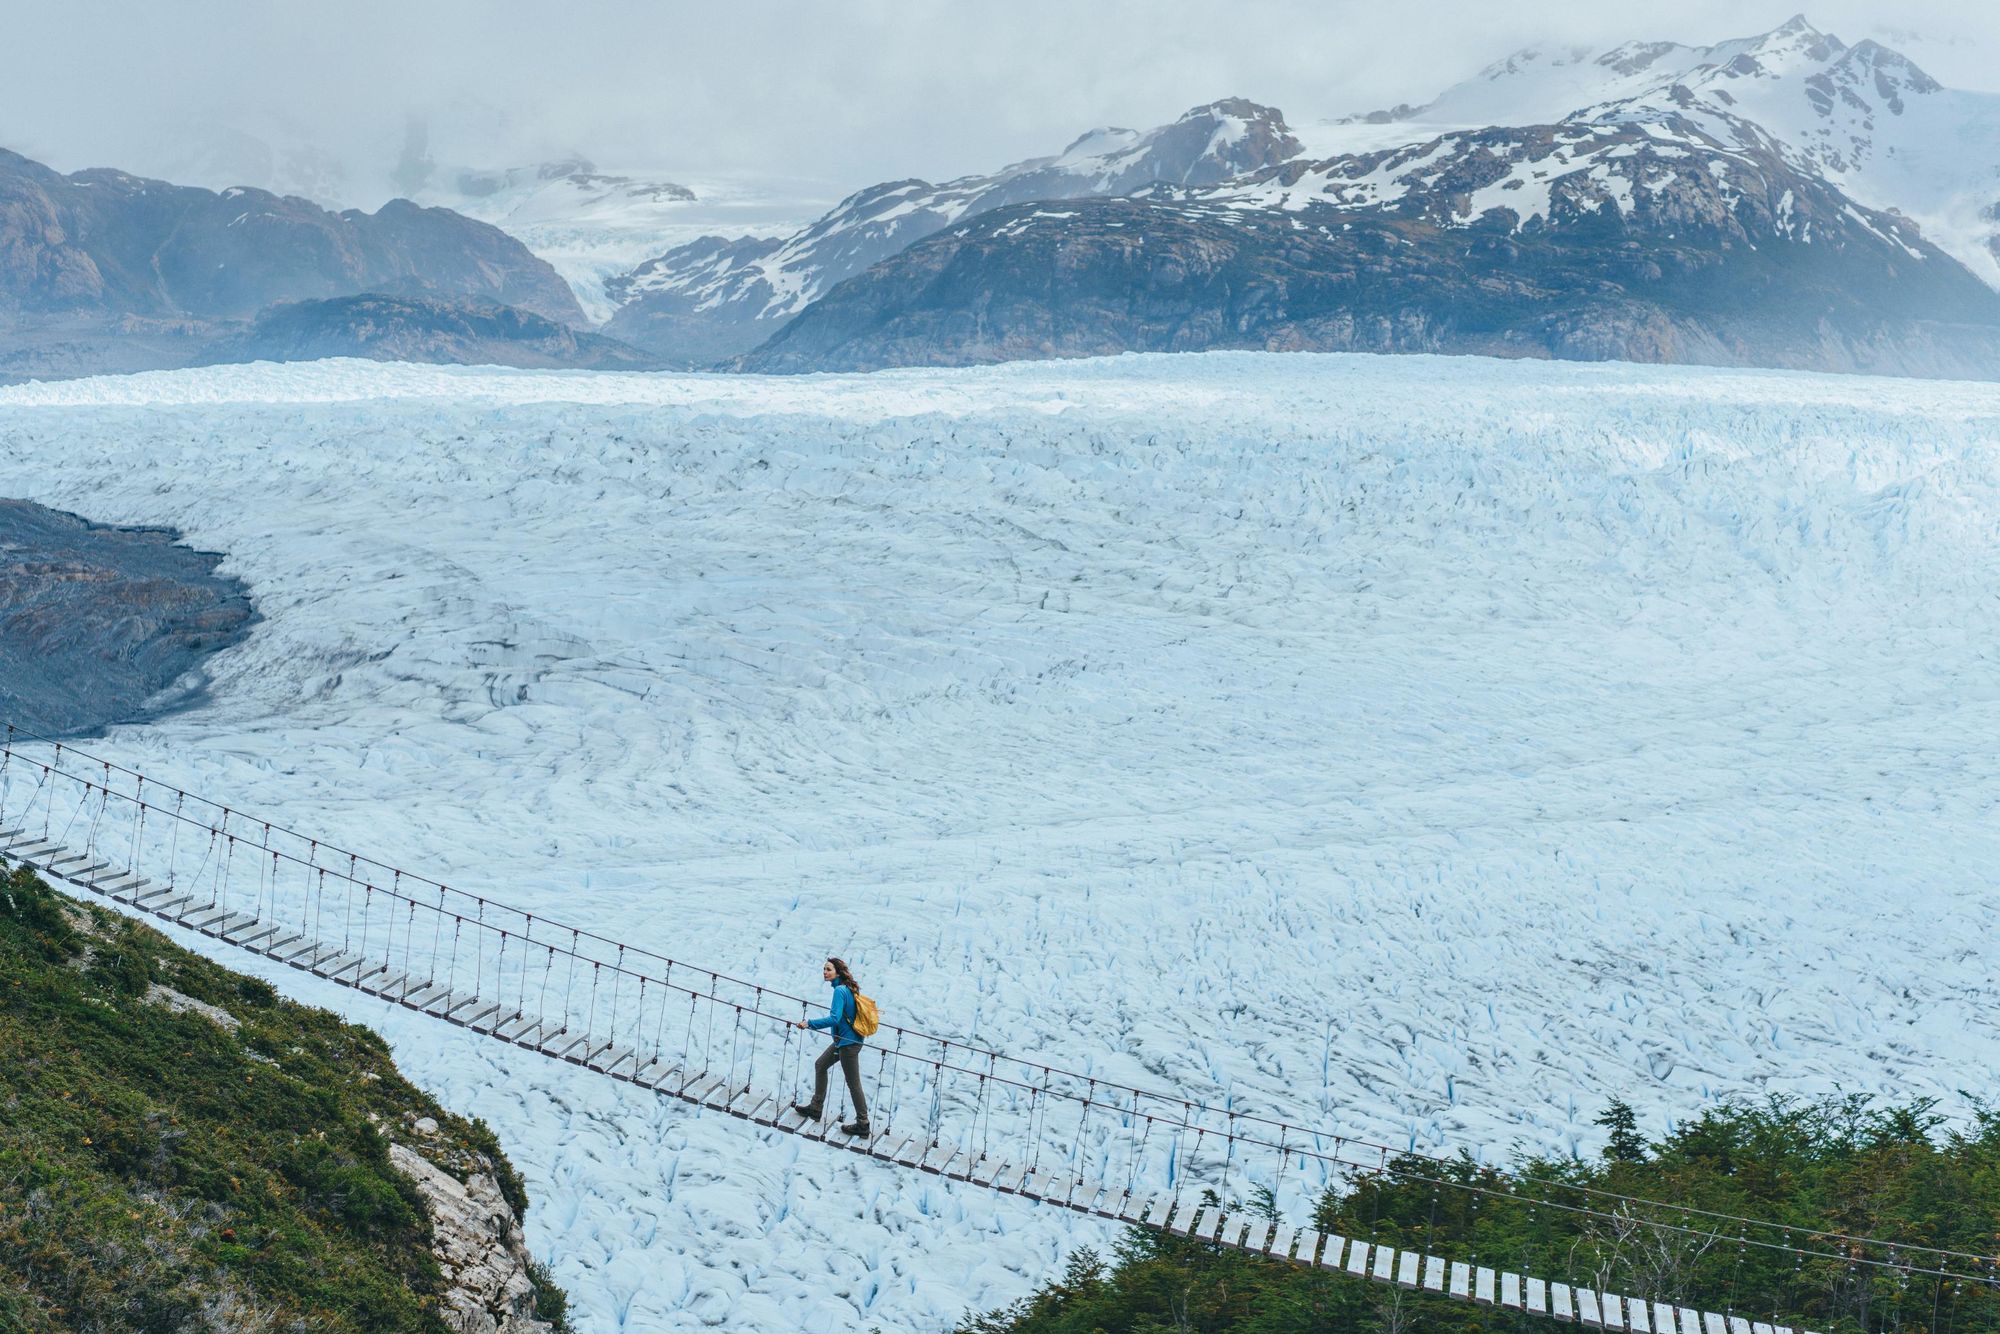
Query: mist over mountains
1784, 199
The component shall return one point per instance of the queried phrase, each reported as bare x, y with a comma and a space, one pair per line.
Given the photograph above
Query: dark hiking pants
850, 1065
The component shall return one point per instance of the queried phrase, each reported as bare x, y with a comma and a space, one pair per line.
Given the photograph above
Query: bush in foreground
161, 1170
1835, 1166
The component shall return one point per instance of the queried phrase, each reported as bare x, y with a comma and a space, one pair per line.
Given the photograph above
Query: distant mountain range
1783, 199
101, 270
717, 297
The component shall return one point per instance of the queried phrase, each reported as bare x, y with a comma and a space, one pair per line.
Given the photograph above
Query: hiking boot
858, 1129
809, 1113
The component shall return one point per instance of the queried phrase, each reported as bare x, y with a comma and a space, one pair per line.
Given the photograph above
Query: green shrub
153, 1163
1839, 1165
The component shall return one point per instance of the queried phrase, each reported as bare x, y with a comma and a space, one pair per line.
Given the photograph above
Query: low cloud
846, 93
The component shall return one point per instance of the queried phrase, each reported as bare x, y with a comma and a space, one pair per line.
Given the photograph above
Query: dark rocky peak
1215, 142
105, 243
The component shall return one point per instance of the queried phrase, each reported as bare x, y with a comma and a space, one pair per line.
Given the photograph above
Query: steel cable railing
616, 1008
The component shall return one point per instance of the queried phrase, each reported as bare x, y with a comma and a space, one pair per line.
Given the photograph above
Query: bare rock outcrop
479, 1247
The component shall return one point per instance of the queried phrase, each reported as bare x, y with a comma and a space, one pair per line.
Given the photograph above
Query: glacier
1431, 749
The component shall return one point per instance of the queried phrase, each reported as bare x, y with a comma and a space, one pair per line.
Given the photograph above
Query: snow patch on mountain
1864, 118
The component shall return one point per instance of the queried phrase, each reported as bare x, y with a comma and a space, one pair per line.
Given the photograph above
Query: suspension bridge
940, 1105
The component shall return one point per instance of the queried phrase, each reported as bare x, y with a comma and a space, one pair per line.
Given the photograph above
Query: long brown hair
843, 976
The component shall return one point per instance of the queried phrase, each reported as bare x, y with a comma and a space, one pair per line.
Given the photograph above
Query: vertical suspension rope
617, 979
138, 825
542, 1005
437, 937
228, 862
527, 945
174, 837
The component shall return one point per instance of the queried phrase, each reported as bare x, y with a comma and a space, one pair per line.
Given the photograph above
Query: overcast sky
844, 91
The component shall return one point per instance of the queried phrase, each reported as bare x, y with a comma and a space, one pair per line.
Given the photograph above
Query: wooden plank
1713, 1323
1013, 1176
1256, 1235
1559, 1302
1587, 1311
1205, 1219
1482, 1286
1332, 1248
1283, 1237
1384, 1268
1357, 1257
1109, 1202
1537, 1302
475, 1019
1510, 1291
913, 1152
702, 1085
1309, 1246
1406, 1269
1434, 1273
1614, 1311
1461, 1280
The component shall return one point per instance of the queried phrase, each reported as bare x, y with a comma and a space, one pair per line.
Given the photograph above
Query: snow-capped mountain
1663, 224
1631, 241
1863, 117
716, 297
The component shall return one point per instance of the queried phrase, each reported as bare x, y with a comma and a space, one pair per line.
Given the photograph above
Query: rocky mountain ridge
1646, 228
717, 296
1577, 241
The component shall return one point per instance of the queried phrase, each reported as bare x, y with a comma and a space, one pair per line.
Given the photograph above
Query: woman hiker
846, 1049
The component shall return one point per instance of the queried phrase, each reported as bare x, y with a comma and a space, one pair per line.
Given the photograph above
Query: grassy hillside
180, 1149
1839, 1165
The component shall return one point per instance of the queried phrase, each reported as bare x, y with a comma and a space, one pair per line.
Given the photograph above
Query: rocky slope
388, 328
1592, 241
718, 296
97, 622
184, 1151
103, 271
105, 243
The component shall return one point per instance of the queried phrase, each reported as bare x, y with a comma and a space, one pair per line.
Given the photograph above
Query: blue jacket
840, 1021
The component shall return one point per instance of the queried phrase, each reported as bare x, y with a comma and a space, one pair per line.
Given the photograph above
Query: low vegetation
1837, 1166
180, 1149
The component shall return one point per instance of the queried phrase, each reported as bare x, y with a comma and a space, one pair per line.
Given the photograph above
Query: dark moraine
103, 625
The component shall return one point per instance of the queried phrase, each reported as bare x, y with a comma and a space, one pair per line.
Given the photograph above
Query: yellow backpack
866, 1017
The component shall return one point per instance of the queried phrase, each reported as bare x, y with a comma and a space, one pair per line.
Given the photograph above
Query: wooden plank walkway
1430, 1274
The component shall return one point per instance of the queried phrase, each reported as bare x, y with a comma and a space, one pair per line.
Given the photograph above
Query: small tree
1627, 1145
